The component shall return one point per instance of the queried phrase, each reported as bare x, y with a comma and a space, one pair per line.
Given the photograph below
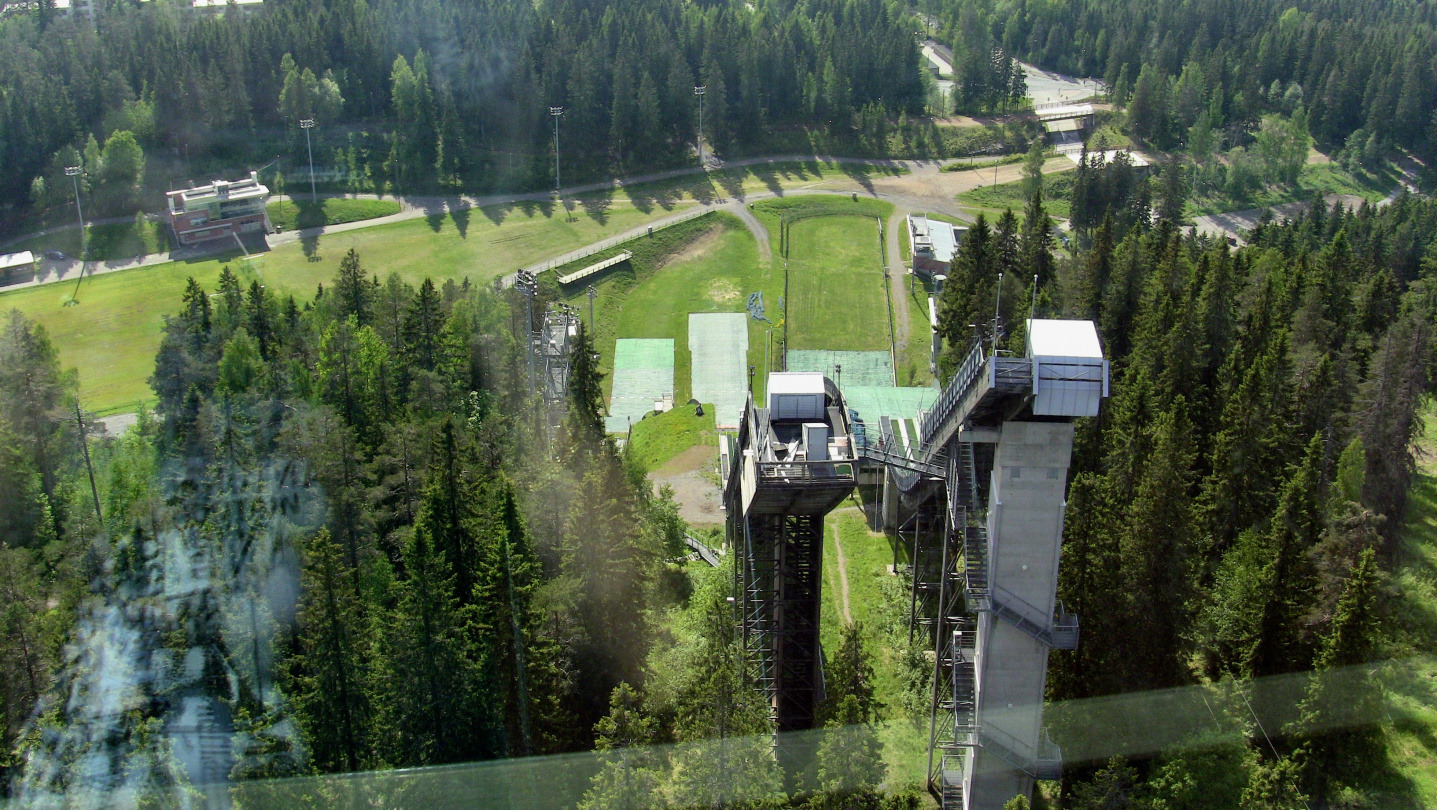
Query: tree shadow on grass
769, 176
732, 183
861, 173
309, 244
434, 212
495, 213
595, 205
460, 212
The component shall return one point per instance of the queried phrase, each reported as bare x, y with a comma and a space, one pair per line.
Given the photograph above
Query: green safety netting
859, 368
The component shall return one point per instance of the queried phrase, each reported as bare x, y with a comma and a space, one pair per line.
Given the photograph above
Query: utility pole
556, 112
699, 91
997, 313
85, 446
307, 124
593, 293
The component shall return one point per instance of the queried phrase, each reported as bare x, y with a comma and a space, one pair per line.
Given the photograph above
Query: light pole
73, 172
307, 124
593, 293
699, 91
556, 112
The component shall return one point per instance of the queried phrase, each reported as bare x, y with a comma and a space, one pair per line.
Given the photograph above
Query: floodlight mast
73, 172
556, 112
307, 124
699, 90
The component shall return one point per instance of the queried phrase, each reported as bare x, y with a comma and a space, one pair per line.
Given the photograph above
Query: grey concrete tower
1006, 424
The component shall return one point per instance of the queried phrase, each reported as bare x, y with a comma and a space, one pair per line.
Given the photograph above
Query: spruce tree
585, 420
353, 292
1038, 240
1337, 733
329, 672
1157, 550
436, 700
631, 775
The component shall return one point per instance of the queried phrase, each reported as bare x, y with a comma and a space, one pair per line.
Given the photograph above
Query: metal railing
803, 471
1044, 762
894, 453
953, 393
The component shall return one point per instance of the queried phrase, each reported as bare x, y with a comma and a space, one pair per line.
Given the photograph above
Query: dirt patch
697, 249
723, 291
692, 475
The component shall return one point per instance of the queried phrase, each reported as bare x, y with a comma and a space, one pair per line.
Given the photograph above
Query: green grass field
1323, 178
912, 367
706, 265
836, 285
112, 335
1057, 191
659, 438
123, 240
292, 214
836, 296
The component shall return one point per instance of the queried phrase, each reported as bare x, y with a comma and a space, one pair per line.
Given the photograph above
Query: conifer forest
344, 538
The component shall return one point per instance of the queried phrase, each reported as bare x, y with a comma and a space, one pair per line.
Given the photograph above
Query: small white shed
795, 395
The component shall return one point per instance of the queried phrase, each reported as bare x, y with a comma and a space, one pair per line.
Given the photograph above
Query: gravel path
898, 292
842, 575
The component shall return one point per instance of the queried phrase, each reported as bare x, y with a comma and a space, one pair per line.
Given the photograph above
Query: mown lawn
111, 336
835, 280
709, 264
655, 440
292, 214
836, 296
1057, 193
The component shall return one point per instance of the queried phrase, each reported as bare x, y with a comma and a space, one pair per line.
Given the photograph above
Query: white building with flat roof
218, 210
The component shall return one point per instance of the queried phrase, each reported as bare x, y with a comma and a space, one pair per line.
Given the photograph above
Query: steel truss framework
779, 566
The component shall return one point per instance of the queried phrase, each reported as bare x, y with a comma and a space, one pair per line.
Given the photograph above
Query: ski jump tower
981, 489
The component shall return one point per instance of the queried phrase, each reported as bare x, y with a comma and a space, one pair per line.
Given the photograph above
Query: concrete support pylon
1025, 528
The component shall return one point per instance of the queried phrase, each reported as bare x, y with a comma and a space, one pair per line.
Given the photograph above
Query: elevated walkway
595, 268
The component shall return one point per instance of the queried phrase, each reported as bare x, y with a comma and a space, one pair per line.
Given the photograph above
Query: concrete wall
1025, 512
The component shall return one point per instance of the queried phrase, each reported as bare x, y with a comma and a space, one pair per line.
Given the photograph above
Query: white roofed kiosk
982, 494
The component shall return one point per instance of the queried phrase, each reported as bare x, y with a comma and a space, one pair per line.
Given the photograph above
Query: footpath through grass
290, 215
879, 601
